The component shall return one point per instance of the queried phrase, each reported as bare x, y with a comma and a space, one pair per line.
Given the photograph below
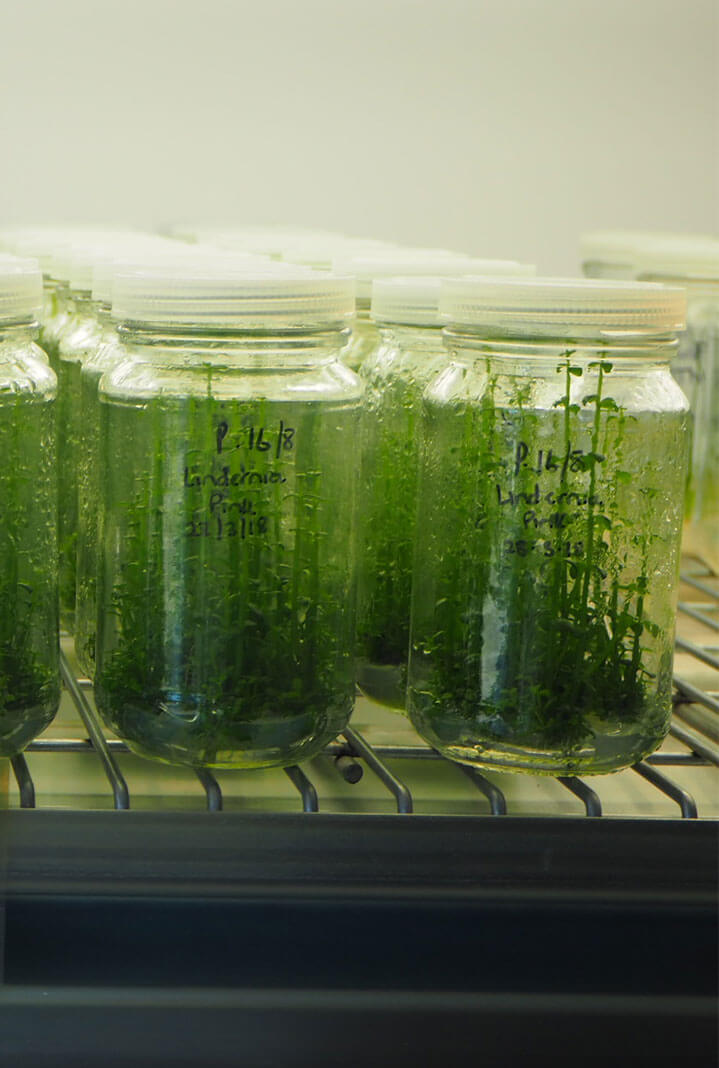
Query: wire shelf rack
695, 727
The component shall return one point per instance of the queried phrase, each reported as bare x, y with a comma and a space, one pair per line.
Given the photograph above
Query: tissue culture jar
29, 667
83, 334
226, 583
550, 510
89, 484
408, 358
696, 368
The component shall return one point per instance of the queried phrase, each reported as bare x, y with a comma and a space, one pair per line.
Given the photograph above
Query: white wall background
503, 127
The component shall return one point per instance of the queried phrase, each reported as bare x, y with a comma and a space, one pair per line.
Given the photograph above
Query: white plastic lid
153, 255
20, 289
80, 260
623, 247
405, 262
320, 252
261, 240
215, 294
50, 245
680, 258
414, 301
562, 307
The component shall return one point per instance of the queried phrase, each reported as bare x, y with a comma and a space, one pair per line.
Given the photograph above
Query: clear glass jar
701, 530
29, 665
396, 375
83, 334
550, 502
89, 484
99, 350
695, 266
410, 354
226, 584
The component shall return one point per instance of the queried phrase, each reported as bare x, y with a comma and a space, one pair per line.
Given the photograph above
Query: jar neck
417, 338
630, 354
55, 286
296, 348
18, 330
82, 301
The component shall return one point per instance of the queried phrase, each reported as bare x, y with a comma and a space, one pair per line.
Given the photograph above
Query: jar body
701, 532
89, 486
696, 369
551, 496
29, 650
83, 334
226, 581
396, 376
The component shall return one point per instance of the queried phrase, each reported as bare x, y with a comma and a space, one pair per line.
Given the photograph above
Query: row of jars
526, 464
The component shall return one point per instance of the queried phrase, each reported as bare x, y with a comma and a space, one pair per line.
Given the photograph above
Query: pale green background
504, 127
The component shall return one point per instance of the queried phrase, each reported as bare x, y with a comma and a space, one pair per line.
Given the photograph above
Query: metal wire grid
694, 724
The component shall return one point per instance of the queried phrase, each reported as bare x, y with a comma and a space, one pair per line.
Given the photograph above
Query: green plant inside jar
29, 684
231, 612
390, 457
550, 530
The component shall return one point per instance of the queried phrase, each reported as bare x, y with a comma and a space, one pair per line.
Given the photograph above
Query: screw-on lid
562, 307
260, 240
51, 245
680, 258
213, 294
404, 262
321, 251
415, 301
79, 261
20, 289
154, 256
623, 247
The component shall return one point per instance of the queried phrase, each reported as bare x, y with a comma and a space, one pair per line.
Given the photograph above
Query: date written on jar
275, 440
227, 519
571, 550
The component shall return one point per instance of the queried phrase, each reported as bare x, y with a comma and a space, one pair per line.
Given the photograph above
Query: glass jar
226, 580
99, 350
410, 354
89, 483
695, 266
82, 336
29, 665
550, 502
